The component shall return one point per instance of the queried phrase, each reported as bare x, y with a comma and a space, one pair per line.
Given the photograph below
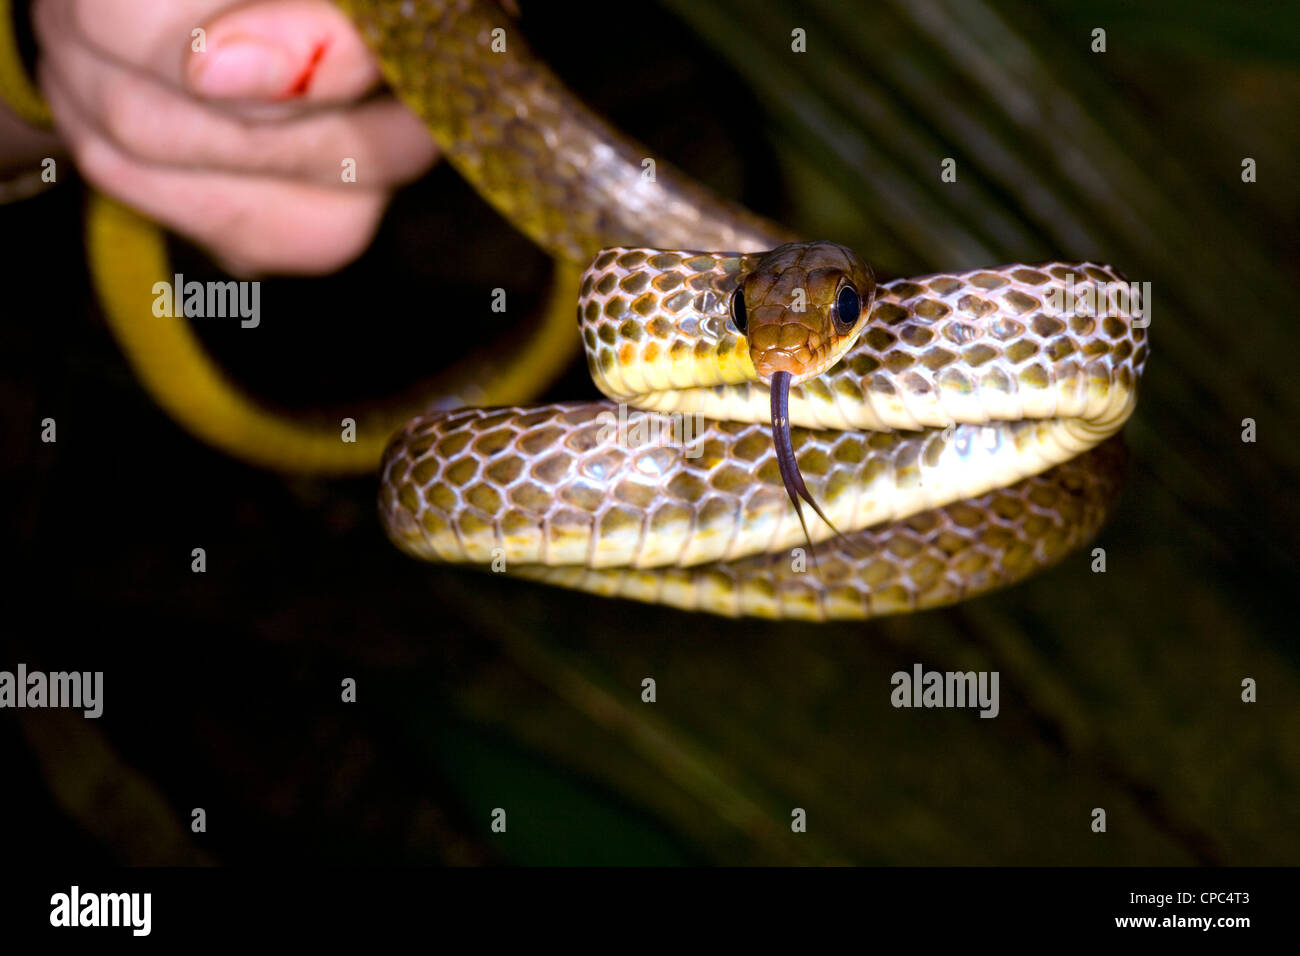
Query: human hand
239, 147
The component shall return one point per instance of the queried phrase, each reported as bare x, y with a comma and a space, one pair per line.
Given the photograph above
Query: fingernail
242, 67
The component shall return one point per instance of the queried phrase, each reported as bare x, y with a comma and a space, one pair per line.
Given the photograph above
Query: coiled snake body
983, 466
955, 433
962, 429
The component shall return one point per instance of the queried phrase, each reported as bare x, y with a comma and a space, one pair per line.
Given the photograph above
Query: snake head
801, 308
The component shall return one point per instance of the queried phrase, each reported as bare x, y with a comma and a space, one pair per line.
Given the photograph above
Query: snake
960, 440
953, 432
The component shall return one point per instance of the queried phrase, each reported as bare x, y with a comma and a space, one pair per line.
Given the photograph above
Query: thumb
281, 50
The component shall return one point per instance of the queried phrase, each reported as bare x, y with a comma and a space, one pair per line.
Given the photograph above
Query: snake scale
958, 435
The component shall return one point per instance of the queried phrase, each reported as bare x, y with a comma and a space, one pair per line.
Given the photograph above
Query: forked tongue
790, 476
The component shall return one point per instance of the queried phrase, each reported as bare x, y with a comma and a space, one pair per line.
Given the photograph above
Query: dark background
1119, 691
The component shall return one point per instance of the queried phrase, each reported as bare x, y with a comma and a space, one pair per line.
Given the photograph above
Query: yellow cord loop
128, 255
16, 87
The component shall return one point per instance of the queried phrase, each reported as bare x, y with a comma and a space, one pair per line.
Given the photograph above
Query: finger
249, 49
250, 224
382, 142
275, 50
148, 35
251, 227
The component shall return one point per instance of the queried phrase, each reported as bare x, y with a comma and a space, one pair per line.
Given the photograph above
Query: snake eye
848, 307
738, 310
